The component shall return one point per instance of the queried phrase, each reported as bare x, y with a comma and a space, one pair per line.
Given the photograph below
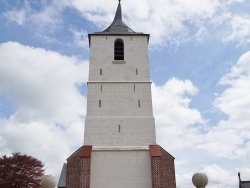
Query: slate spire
118, 26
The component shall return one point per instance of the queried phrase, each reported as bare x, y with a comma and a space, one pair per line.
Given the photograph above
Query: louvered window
119, 49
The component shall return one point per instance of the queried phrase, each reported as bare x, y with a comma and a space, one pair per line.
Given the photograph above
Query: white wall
119, 124
120, 169
135, 57
125, 96
119, 99
134, 131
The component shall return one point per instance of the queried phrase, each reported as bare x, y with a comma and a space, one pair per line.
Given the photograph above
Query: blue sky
200, 69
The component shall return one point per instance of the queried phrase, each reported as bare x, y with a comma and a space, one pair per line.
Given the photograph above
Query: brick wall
163, 170
78, 168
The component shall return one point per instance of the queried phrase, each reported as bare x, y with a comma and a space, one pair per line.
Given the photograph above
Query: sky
199, 55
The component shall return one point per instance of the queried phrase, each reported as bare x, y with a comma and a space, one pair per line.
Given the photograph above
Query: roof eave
116, 34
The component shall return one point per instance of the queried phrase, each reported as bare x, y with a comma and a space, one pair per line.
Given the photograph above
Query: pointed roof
118, 26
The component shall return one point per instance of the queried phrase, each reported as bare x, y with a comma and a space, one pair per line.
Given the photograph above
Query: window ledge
118, 62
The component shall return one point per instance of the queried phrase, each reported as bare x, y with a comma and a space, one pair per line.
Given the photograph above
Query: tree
20, 171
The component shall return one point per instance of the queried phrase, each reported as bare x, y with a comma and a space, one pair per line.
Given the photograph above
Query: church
119, 149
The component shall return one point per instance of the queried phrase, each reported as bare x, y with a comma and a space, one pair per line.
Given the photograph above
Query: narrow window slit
101, 87
139, 103
136, 71
100, 71
100, 103
119, 128
134, 87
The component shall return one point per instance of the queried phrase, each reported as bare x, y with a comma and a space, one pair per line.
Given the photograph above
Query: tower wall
123, 169
119, 107
119, 99
134, 131
102, 57
119, 139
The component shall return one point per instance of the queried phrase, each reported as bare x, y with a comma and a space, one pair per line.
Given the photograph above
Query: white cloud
229, 2
44, 21
240, 30
16, 16
183, 132
166, 21
48, 19
41, 83
173, 114
219, 177
229, 138
49, 109
179, 124
170, 23
44, 141
80, 37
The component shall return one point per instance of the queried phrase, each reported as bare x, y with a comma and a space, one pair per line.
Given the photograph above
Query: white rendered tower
119, 148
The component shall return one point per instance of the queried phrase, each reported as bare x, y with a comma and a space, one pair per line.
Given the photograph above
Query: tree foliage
20, 171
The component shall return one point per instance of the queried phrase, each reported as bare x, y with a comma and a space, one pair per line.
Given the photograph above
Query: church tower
119, 148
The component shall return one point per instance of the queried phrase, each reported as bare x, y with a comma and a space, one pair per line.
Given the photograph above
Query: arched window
119, 49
